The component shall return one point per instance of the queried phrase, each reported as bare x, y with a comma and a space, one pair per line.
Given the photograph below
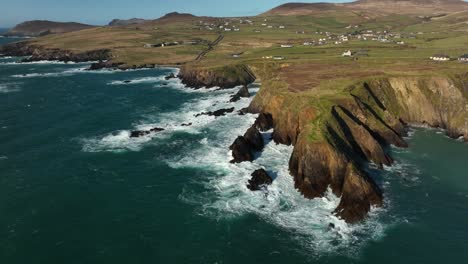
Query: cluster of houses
173, 43
273, 57
443, 57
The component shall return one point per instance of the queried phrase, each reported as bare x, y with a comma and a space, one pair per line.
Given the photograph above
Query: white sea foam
43, 62
6, 58
172, 122
138, 81
9, 87
227, 195
407, 173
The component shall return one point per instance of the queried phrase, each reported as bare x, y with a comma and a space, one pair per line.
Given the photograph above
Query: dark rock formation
241, 150
260, 179
243, 92
141, 133
219, 112
264, 122
104, 65
359, 193
243, 111
223, 77
245, 146
254, 138
186, 124
170, 76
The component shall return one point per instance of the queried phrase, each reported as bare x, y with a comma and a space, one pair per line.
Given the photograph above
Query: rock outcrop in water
219, 112
222, 77
243, 92
333, 145
260, 179
141, 133
244, 147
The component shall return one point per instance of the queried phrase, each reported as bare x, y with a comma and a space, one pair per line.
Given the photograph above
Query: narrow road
210, 47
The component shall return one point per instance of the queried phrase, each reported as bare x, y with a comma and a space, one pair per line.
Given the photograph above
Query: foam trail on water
43, 62
137, 81
81, 70
9, 87
172, 122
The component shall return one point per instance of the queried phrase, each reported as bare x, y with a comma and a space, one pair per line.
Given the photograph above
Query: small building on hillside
278, 58
347, 53
286, 46
463, 58
440, 57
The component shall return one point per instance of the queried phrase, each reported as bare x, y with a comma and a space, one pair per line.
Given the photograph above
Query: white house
281, 27
347, 53
227, 29
286, 46
440, 57
278, 58
463, 58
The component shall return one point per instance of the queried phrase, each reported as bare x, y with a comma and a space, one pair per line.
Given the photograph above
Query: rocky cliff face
332, 145
38, 53
223, 77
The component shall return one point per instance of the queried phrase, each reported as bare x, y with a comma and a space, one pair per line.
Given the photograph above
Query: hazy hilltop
376, 6
37, 28
126, 22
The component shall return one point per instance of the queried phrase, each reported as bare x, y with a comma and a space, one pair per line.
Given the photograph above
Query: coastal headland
340, 82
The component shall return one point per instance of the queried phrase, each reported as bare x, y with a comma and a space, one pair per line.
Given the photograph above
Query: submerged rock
260, 179
219, 112
243, 92
186, 124
141, 133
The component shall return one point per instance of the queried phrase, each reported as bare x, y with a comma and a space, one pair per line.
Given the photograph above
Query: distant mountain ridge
379, 6
126, 22
36, 28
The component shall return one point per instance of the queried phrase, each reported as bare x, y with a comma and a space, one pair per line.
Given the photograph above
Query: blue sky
102, 11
